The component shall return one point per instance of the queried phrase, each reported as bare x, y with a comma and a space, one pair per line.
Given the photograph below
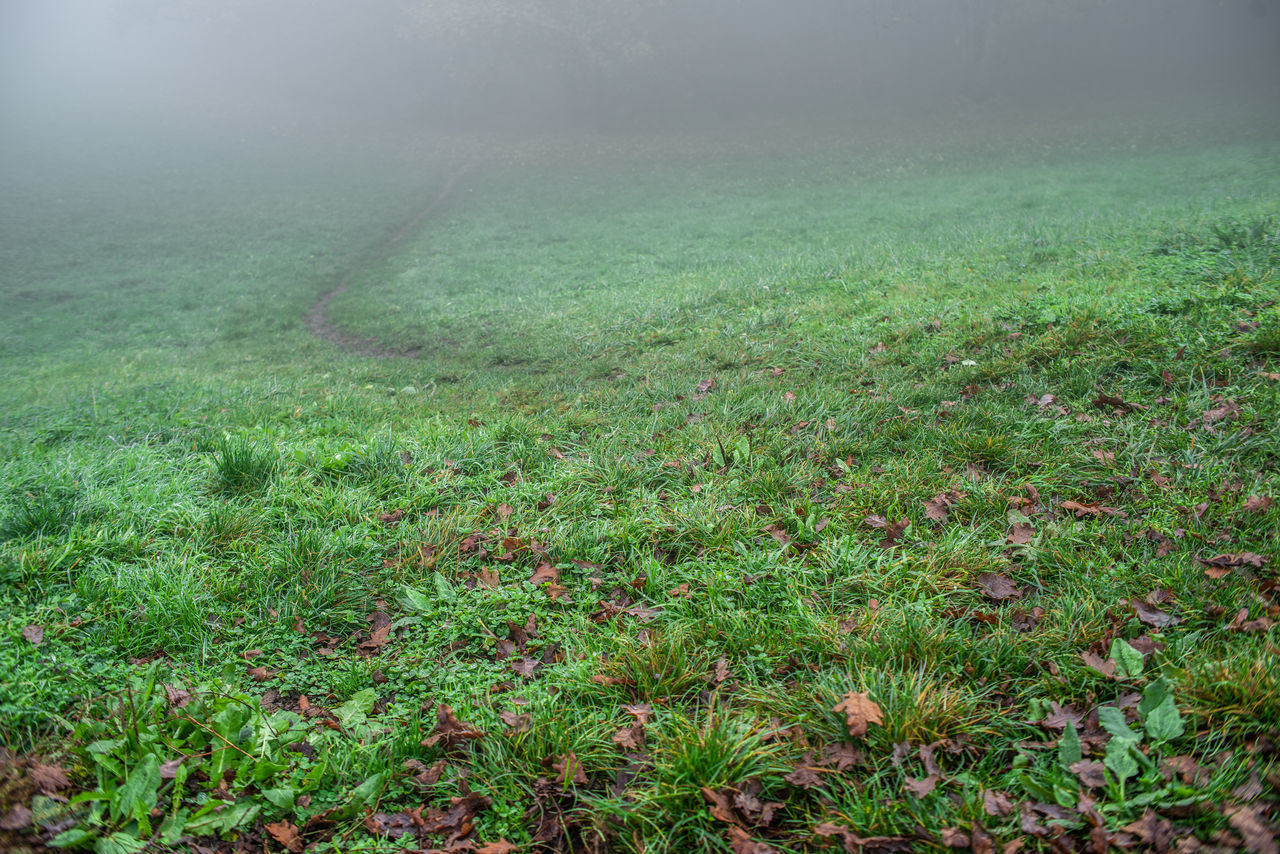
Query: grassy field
861, 500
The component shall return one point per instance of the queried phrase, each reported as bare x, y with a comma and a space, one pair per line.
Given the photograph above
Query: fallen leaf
391, 825
390, 519
923, 786
1258, 503
721, 803
996, 803
1259, 837
48, 778
1241, 623
17, 818
630, 737
1257, 561
502, 846
1020, 534
804, 776
286, 833
1090, 773
640, 711
259, 674
936, 508
569, 771
450, 731
740, 842
998, 587
954, 837
1107, 668
1150, 615
860, 711
424, 775
33, 634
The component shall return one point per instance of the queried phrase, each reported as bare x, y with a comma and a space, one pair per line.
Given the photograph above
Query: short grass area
836, 501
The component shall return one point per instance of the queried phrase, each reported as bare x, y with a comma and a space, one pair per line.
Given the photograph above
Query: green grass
192, 487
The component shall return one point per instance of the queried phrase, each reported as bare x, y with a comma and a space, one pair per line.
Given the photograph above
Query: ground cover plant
849, 500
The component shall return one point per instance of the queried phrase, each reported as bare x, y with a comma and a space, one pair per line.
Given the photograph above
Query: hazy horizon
141, 69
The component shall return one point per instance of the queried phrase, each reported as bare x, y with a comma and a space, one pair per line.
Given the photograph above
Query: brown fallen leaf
502, 846
1107, 668
996, 803
804, 776
259, 674
390, 519
860, 711
1248, 821
33, 634
1020, 534
425, 775
48, 778
569, 771
721, 803
1223, 561
17, 818
1090, 773
630, 737
923, 786
1258, 503
1241, 623
392, 825
449, 731
954, 837
937, 508
286, 833
1150, 615
998, 587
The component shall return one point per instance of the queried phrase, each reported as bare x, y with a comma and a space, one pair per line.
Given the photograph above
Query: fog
142, 70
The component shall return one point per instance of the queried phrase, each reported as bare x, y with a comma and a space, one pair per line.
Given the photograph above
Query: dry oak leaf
48, 778
569, 770
996, 803
286, 833
721, 802
998, 587
804, 776
855, 844
1090, 773
449, 730
1241, 623
740, 842
1150, 615
392, 825
1258, 503
502, 846
923, 786
1020, 534
1257, 561
630, 737
17, 818
860, 711
1249, 823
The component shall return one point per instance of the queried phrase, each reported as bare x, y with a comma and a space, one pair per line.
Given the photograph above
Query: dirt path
318, 320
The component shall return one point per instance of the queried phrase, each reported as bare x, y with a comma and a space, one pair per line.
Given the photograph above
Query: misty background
76, 71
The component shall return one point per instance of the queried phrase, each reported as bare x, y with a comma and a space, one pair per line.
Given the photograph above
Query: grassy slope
188, 476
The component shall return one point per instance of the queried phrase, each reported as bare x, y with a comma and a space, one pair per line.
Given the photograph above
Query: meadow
829, 497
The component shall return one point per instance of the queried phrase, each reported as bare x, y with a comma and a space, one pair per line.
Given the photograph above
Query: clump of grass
241, 467
42, 510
